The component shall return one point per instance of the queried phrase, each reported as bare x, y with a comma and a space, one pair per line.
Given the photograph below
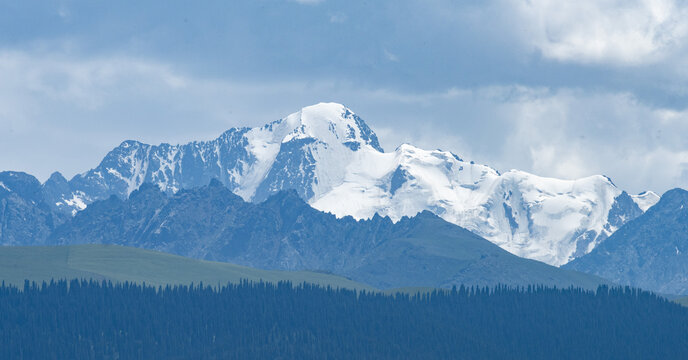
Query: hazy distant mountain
333, 160
649, 252
25, 217
284, 233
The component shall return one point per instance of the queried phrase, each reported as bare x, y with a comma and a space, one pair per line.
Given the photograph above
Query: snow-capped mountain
303, 151
334, 161
645, 200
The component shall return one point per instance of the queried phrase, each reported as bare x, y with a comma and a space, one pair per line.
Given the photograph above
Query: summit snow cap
330, 123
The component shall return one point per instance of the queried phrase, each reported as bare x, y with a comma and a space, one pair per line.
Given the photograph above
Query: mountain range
285, 233
316, 191
331, 158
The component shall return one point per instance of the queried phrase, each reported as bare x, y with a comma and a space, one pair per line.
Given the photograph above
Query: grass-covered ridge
119, 264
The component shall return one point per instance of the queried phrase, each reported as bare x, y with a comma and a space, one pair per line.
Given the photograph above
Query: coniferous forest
102, 320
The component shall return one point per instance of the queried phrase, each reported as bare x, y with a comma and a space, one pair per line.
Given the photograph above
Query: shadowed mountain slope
285, 233
650, 252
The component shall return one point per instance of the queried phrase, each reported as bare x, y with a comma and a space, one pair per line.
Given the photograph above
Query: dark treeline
91, 320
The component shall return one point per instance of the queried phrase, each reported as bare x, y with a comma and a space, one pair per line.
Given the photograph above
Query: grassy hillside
119, 263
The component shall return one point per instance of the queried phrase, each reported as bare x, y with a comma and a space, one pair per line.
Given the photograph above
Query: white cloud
63, 113
619, 32
571, 133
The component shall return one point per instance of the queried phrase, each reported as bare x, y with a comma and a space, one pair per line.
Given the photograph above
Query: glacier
334, 161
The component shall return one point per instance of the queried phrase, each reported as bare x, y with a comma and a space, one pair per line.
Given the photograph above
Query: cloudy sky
558, 88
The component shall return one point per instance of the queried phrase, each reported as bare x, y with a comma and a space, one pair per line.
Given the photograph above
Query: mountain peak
645, 199
674, 199
56, 178
19, 179
331, 123
325, 107
21, 183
